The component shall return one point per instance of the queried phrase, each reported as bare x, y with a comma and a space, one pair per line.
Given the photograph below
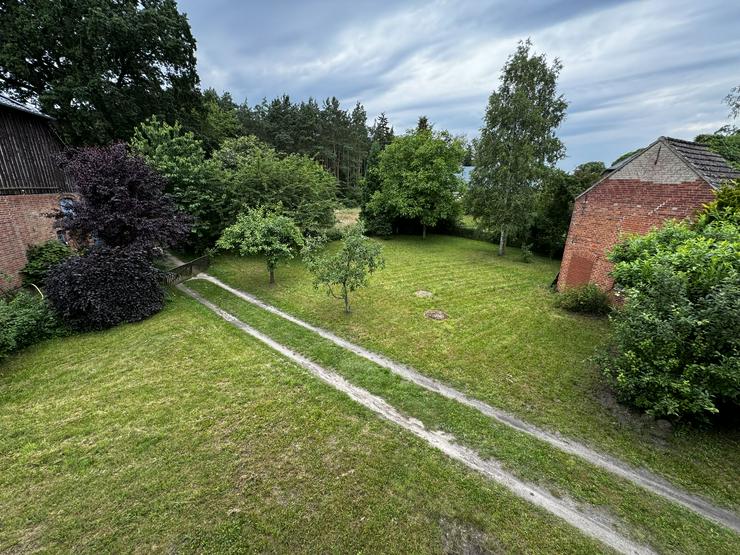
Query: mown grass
181, 434
505, 343
645, 517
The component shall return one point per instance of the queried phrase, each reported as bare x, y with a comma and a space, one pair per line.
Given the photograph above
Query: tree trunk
345, 296
272, 276
423, 231
502, 243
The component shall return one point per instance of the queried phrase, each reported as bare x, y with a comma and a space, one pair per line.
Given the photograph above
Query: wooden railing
187, 270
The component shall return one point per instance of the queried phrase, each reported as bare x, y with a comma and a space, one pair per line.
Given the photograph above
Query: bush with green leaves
196, 183
260, 176
41, 258
104, 288
417, 178
585, 299
259, 231
346, 269
675, 350
25, 319
526, 253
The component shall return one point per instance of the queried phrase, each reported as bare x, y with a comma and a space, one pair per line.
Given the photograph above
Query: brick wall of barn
24, 221
654, 187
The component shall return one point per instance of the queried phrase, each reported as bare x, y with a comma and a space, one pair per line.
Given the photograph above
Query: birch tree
517, 143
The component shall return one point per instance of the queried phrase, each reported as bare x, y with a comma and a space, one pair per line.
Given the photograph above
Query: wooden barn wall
27, 155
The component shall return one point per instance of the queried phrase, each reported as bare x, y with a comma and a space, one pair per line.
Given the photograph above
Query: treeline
138, 61
339, 139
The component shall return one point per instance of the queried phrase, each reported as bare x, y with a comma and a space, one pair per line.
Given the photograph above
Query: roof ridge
15, 105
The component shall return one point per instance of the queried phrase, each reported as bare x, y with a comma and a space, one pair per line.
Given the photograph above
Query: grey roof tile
710, 165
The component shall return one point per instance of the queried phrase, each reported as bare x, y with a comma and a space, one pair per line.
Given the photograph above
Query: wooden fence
187, 270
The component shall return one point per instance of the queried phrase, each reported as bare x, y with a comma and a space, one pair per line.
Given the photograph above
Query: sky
632, 70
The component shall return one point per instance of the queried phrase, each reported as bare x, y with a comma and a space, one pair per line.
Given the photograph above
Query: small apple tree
347, 269
259, 231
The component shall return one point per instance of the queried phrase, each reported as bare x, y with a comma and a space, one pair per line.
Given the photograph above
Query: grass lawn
180, 433
504, 343
648, 518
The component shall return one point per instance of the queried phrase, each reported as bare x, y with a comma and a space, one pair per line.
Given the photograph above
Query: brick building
670, 179
31, 185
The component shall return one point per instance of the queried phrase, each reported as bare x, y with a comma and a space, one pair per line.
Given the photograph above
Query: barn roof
13, 105
707, 163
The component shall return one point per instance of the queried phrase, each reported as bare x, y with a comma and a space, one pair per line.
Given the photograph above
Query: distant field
346, 216
504, 342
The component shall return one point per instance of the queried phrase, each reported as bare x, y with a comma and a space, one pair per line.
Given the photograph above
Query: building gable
657, 164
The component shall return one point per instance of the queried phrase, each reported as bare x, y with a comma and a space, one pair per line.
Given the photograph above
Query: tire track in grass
640, 477
563, 509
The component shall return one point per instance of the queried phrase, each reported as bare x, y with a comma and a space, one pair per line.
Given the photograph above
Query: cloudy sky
632, 70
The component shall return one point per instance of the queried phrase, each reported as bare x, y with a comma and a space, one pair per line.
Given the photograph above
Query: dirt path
640, 477
564, 509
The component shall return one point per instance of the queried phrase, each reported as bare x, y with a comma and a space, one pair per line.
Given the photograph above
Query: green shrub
527, 255
675, 350
25, 319
588, 299
41, 258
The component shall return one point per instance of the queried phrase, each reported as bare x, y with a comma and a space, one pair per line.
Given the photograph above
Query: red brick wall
23, 222
613, 208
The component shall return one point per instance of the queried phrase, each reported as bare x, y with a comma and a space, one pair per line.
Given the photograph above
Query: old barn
669, 179
31, 184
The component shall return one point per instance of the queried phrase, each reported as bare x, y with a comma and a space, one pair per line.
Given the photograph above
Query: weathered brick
640, 196
24, 220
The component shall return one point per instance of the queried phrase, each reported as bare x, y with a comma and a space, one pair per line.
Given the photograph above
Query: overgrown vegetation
675, 350
586, 299
242, 173
41, 258
25, 319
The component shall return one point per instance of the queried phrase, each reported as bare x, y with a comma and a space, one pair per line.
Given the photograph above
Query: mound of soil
424, 294
436, 315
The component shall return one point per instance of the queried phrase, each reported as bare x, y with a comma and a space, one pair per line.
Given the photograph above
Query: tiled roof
707, 163
10, 103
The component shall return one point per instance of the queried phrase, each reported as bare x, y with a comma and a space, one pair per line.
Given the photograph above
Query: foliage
25, 319
220, 120
258, 231
337, 138
526, 253
676, 346
587, 299
104, 288
517, 142
99, 67
419, 180
122, 201
553, 205
347, 269
258, 176
724, 207
726, 145
626, 155
196, 183
41, 258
